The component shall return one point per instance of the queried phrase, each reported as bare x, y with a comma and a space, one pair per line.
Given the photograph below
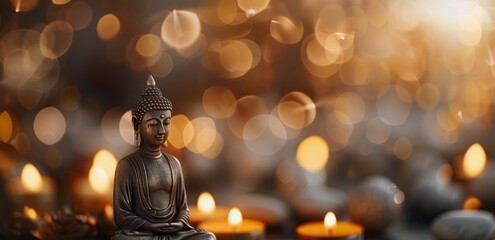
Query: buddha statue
149, 198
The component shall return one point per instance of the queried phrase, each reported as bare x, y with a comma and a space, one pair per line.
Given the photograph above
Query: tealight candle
235, 228
330, 229
206, 210
33, 189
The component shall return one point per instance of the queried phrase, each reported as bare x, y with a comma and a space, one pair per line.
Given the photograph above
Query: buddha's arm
182, 209
125, 218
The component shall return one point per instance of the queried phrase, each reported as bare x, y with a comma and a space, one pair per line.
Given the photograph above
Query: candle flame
98, 179
330, 221
18, 6
31, 178
235, 216
30, 213
106, 160
206, 203
474, 160
109, 212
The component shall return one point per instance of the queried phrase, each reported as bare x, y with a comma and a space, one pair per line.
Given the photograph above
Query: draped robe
132, 205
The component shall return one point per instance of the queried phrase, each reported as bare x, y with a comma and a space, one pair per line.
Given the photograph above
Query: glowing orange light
109, 212
472, 203
474, 161
330, 221
31, 178
235, 217
206, 203
30, 213
98, 179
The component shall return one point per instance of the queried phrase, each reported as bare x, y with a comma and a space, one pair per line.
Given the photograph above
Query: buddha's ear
135, 123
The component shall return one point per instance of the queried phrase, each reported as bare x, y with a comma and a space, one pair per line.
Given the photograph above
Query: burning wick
330, 222
235, 218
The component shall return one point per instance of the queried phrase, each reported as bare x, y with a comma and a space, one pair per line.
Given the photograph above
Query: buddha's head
151, 116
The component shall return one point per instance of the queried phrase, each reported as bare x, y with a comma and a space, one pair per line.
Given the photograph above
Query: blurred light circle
264, 134
218, 12
215, 147
30, 94
181, 132
329, 21
196, 49
354, 72
219, 102
252, 7
296, 110
181, 29
246, 108
60, 2
286, 29
403, 148
70, 98
428, 96
316, 59
339, 128
312, 153
470, 30
56, 39
79, 15
255, 51
235, 58
376, 13
351, 105
6, 126
21, 143
377, 131
392, 109
148, 45
49, 125
126, 129
163, 66
108, 27
109, 127
204, 131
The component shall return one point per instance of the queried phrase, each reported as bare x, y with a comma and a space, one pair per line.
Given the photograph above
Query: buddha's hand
163, 227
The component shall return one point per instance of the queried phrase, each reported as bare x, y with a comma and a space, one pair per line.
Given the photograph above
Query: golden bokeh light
31, 178
49, 125
203, 137
351, 105
264, 134
148, 45
218, 12
219, 102
474, 161
444, 174
126, 129
286, 29
472, 203
252, 7
376, 13
181, 29
60, 2
246, 108
235, 58
296, 110
56, 39
403, 148
354, 72
312, 153
428, 96
109, 212
79, 15
108, 27
339, 128
70, 98
206, 203
377, 131
181, 131
6, 126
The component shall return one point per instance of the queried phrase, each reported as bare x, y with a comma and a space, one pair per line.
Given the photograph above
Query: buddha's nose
161, 129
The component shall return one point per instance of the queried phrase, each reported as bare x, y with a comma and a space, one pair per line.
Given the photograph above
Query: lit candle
330, 229
32, 189
472, 164
206, 210
94, 192
235, 228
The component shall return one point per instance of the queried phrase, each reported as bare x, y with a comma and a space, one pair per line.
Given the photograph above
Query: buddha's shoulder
171, 157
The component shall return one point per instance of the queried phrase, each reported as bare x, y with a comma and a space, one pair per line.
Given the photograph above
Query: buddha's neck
150, 151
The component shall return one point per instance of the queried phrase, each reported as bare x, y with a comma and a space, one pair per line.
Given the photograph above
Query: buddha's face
155, 127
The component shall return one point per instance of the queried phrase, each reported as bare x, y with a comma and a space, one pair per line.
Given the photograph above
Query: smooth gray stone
464, 225
372, 203
312, 205
270, 210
